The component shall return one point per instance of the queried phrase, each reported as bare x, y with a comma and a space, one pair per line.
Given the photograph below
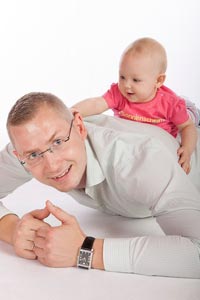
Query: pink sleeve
114, 98
179, 113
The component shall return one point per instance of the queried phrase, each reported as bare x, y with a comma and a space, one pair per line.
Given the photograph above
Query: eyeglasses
58, 145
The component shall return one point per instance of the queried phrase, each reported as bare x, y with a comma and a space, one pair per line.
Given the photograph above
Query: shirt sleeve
179, 114
4, 211
12, 175
173, 256
114, 98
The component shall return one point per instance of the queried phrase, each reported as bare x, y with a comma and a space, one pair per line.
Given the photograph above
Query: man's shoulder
12, 174
103, 129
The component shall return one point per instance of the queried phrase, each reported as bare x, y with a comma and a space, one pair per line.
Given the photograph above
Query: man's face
62, 169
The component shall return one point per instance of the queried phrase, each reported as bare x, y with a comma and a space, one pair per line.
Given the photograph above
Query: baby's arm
188, 143
91, 106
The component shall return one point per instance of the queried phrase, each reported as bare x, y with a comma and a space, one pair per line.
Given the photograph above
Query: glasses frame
50, 149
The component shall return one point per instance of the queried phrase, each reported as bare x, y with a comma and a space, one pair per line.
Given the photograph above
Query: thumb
60, 214
40, 214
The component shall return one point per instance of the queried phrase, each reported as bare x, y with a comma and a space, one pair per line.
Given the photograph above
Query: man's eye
57, 142
33, 156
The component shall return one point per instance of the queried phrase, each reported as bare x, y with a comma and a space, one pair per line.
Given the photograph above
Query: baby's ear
160, 80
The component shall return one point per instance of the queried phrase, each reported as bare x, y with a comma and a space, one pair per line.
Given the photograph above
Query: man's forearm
171, 256
7, 226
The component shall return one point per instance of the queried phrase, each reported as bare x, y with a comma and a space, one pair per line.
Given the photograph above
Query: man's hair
26, 108
151, 47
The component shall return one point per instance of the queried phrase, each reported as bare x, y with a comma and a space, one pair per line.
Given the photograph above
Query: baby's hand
184, 159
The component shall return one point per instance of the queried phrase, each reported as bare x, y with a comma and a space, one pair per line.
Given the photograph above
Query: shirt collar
94, 172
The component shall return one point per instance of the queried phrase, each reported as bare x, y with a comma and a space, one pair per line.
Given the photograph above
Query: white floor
23, 279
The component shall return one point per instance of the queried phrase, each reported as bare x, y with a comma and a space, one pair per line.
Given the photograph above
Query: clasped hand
52, 246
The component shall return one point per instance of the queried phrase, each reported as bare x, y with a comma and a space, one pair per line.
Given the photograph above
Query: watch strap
88, 243
84, 259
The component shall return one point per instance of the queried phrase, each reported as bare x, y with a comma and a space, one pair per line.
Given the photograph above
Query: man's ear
160, 80
15, 153
79, 124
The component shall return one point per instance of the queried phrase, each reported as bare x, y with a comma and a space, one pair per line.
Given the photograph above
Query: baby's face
137, 77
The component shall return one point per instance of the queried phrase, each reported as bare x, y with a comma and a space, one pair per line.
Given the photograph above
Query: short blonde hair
150, 47
27, 107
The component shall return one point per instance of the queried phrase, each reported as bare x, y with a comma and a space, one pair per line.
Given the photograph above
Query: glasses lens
57, 146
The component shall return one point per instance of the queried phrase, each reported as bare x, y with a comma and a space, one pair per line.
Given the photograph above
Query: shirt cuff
4, 211
116, 255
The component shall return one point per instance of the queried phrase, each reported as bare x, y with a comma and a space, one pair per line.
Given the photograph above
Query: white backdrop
72, 48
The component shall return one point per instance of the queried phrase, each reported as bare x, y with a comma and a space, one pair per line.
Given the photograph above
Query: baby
141, 96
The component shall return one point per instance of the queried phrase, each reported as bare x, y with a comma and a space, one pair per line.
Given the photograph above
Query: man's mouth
57, 177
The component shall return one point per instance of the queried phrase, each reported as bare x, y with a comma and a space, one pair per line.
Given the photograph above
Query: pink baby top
165, 110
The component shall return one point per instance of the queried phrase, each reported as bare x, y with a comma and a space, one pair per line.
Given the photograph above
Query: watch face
85, 258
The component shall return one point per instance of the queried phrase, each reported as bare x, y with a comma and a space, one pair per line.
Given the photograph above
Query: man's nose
51, 159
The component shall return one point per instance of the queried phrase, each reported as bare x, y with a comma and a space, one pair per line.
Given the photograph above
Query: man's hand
58, 246
184, 159
24, 233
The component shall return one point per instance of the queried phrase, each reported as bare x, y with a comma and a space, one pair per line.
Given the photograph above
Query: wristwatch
84, 259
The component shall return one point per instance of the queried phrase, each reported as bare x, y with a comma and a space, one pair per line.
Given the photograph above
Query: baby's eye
122, 77
33, 155
58, 142
136, 80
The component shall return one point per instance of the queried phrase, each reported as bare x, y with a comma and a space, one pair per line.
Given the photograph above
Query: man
108, 164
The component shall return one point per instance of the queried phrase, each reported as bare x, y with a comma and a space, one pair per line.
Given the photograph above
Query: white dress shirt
132, 170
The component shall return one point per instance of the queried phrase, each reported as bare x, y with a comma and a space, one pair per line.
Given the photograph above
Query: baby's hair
151, 47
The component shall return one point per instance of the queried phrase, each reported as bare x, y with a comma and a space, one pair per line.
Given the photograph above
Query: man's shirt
132, 170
